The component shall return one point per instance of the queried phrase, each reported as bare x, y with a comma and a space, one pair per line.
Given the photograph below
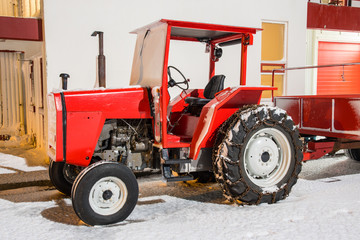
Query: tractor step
167, 172
184, 178
176, 161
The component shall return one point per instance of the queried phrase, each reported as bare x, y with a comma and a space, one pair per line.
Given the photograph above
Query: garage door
338, 80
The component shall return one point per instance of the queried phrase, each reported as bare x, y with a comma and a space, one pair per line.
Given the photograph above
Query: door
338, 80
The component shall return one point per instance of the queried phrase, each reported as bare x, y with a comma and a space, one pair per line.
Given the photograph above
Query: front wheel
104, 193
62, 176
257, 156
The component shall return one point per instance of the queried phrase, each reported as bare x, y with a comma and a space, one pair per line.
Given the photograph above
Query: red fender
218, 111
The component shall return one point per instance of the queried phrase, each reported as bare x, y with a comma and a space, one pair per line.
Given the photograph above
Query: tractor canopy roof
194, 31
152, 45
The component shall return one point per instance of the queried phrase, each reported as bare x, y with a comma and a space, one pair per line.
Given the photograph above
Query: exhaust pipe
64, 78
101, 59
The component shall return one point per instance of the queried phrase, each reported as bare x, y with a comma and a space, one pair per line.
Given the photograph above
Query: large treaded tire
104, 193
57, 178
354, 154
268, 175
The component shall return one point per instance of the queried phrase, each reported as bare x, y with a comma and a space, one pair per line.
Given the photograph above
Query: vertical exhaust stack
101, 59
64, 80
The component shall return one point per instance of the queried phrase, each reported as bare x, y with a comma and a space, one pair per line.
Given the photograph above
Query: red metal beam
28, 29
317, 150
322, 16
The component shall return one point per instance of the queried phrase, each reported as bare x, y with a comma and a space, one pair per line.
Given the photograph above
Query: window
273, 56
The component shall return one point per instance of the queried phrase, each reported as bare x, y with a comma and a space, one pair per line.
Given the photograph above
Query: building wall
23, 97
70, 49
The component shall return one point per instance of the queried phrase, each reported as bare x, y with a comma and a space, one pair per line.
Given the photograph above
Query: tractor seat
216, 84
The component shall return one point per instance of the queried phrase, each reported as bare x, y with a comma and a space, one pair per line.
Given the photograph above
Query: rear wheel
257, 156
354, 154
63, 175
104, 193
203, 177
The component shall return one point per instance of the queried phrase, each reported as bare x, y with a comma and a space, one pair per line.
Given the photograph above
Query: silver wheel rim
267, 157
108, 195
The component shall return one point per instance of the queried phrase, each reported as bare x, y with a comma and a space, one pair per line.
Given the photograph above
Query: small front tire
104, 193
58, 178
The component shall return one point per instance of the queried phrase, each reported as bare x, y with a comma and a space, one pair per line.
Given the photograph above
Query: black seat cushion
216, 84
197, 101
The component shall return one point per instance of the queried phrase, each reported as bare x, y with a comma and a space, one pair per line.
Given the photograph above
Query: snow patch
270, 189
236, 127
314, 210
245, 116
19, 163
5, 171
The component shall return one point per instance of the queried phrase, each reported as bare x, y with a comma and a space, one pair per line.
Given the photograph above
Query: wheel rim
108, 195
267, 157
70, 172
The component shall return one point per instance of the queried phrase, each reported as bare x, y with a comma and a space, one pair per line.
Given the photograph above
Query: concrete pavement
24, 179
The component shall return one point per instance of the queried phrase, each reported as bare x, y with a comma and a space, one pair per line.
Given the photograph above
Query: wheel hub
262, 156
267, 157
108, 195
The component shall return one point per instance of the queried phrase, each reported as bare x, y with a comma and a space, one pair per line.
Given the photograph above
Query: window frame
282, 62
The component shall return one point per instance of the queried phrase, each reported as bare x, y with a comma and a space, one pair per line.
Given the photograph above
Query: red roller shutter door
330, 80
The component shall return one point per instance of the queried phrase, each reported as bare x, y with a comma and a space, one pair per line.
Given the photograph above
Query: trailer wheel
257, 155
354, 154
63, 175
104, 193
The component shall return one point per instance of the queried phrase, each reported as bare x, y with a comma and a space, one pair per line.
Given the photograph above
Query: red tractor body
86, 112
99, 138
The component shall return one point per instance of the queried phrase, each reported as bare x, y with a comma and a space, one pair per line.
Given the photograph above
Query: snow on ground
319, 209
16, 163
325, 208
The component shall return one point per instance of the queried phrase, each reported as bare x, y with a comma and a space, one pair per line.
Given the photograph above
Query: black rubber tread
354, 154
56, 174
204, 177
85, 181
229, 171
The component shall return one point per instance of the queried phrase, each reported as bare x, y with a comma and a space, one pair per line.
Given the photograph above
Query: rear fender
218, 110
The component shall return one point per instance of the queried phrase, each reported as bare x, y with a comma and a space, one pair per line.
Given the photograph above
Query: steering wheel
173, 83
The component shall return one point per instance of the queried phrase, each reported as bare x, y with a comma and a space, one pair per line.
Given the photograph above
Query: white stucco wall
70, 49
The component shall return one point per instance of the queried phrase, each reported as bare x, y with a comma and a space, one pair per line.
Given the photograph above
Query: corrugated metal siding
20, 8
338, 80
12, 97
34, 104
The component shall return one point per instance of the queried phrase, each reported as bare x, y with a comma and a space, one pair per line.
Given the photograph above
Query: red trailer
327, 123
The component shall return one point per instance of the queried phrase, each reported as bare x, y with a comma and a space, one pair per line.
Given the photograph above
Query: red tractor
99, 138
